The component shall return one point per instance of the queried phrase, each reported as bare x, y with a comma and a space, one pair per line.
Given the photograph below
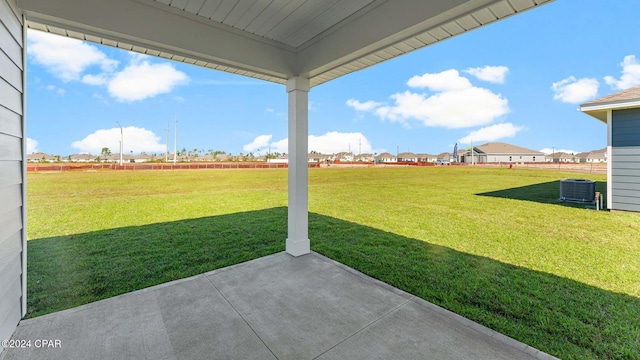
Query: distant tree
58, 158
43, 160
69, 158
105, 152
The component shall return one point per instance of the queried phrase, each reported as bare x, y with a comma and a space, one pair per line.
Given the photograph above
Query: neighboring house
564, 157
141, 158
597, 156
83, 158
582, 157
40, 157
621, 113
407, 157
425, 157
206, 158
284, 159
385, 157
343, 156
498, 152
317, 158
446, 157
364, 158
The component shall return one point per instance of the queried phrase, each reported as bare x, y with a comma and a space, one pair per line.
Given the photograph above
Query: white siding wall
498, 158
12, 279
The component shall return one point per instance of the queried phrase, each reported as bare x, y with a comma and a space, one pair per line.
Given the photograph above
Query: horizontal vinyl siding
625, 160
10, 173
10, 148
11, 170
625, 128
10, 309
11, 97
10, 122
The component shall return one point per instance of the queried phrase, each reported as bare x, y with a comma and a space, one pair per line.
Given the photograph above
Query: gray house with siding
12, 170
621, 113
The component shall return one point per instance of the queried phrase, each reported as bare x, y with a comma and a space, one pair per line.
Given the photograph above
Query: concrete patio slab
276, 307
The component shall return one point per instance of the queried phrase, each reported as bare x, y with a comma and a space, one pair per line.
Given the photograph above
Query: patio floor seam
364, 328
241, 316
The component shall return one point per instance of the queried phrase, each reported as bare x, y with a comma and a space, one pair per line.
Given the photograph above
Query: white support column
609, 161
298, 235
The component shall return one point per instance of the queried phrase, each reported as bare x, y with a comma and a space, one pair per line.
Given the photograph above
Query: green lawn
493, 245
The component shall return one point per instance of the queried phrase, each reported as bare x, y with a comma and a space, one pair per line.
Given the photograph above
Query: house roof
504, 149
270, 40
598, 154
629, 98
407, 155
385, 155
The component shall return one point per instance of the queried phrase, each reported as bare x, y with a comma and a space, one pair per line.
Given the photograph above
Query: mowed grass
493, 245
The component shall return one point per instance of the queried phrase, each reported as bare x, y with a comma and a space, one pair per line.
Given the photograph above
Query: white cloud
270, 110
66, 58
69, 59
492, 74
32, 146
575, 91
451, 109
363, 106
57, 90
455, 104
261, 142
630, 74
550, 151
329, 143
492, 133
100, 79
135, 139
145, 80
448, 80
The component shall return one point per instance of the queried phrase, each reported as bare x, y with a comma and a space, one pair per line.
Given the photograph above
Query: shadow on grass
545, 193
559, 316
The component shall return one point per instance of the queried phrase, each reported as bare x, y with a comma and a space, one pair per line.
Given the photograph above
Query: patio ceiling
273, 40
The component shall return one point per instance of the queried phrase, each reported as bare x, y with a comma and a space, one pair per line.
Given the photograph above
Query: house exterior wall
625, 160
503, 158
12, 173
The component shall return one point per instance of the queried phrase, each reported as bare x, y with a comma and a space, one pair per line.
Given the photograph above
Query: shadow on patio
544, 193
554, 314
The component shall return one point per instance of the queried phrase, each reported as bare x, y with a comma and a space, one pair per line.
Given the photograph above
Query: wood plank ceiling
310, 31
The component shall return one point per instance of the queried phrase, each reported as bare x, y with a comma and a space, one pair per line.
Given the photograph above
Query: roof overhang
273, 41
599, 110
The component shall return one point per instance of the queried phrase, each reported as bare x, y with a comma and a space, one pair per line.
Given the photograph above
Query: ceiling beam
152, 25
378, 26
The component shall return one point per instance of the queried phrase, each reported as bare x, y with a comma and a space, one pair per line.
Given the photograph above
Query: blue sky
518, 81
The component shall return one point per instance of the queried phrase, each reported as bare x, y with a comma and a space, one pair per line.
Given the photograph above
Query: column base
298, 247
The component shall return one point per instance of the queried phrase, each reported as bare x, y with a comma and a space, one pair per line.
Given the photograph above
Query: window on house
534, 158
509, 158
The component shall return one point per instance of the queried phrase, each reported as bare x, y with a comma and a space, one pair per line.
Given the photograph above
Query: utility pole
166, 150
359, 146
175, 141
121, 141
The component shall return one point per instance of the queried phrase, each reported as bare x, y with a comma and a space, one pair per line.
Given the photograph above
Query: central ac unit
578, 190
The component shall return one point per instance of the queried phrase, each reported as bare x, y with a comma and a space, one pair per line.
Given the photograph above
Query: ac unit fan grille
578, 190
